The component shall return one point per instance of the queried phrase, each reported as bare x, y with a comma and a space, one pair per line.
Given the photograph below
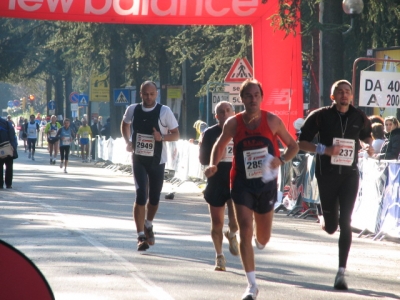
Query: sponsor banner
215, 12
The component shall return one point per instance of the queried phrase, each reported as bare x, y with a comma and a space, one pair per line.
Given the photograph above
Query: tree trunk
117, 80
68, 91
332, 48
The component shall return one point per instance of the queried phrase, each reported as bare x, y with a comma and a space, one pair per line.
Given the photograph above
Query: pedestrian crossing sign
83, 100
240, 71
122, 97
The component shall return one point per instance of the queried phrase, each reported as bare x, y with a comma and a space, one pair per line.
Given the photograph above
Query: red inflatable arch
276, 60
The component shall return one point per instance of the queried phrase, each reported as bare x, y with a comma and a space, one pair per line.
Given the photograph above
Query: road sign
122, 97
10, 103
218, 97
51, 105
232, 87
74, 97
74, 106
17, 103
234, 99
83, 100
240, 71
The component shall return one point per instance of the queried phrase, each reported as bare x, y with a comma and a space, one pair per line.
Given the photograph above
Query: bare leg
244, 217
151, 211
217, 215
139, 212
232, 222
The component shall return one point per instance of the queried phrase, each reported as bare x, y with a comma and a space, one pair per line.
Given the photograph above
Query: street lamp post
352, 8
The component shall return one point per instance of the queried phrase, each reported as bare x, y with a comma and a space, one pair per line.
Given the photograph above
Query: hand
332, 150
157, 135
129, 147
370, 150
210, 171
275, 163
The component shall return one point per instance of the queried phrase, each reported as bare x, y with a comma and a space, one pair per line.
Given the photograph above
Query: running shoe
61, 165
149, 235
65, 171
51, 161
142, 244
340, 282
54, 161
33, 158
233, 244
220, 263
29, 155
251, 293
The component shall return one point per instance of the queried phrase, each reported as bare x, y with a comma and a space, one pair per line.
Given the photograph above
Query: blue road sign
83, 100
51, 105
10, 103
122, 97
17, 103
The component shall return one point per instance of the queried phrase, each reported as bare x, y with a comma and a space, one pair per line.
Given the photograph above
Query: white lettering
213, 12
66, 4
182, 10
170, 11
237, 4
145, 7
186, 8
134, 10
199, 7
11, 5
89, 9
29, 7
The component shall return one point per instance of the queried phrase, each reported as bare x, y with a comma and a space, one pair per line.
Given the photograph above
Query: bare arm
277, 127
310, 147
126, 132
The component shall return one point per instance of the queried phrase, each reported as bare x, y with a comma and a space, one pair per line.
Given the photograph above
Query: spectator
8, 144
95, 131
106, 130
376, 119
10, 120
378, 134
391, 148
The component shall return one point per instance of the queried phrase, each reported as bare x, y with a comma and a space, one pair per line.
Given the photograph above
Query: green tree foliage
211, 49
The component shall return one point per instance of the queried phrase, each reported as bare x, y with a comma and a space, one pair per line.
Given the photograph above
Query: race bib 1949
253, 162
144, 144
346, 154
228, 152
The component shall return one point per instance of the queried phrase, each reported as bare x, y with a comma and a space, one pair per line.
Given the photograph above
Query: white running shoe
251, 293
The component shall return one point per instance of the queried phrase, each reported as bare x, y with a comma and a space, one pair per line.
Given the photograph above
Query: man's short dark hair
247, 83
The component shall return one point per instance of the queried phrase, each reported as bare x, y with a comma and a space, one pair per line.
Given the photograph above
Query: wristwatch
282, 158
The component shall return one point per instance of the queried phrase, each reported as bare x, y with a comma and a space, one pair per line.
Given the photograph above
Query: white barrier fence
183, 157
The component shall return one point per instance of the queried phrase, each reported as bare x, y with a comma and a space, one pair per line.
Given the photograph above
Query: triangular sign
240, 71
121, 98
83, 101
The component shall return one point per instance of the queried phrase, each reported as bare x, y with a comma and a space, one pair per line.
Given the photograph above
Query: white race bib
346, 154
85, 134
144, 144
228, 152
53, 133
31, 131
253, 162
66, 140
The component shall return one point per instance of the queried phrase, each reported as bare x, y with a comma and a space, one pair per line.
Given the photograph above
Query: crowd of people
241, 156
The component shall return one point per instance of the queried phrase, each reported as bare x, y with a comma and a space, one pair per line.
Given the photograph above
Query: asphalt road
78, 230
